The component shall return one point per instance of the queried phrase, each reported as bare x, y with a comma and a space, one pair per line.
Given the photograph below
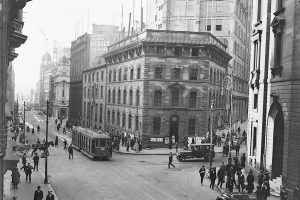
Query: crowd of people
130, 142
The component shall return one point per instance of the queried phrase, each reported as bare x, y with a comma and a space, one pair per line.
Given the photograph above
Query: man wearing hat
50, 196
38, 194
250, 180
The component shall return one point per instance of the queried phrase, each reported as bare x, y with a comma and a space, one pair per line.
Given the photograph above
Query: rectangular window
218, 25
160, 50
176, 73
193, 74
138, 75
109, 77
253, 141
195, 51
96, 113
125, 75
156, 125
255, 101
219, 7
159, 26
115, 76
178, 51
136, 123
97, 78
84, 109
101, 92
131, 74
159, 72
192, 127
120, 75
208, 25
102, 75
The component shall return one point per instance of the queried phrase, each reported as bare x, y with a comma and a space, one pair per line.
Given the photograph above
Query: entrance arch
275, 140
174, 127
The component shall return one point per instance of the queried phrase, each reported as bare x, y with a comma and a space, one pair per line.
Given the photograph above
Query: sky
46, 21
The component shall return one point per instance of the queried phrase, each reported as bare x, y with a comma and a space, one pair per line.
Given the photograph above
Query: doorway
174, 126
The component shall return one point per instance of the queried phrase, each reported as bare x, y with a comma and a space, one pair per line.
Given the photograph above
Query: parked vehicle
91, 143
196, 151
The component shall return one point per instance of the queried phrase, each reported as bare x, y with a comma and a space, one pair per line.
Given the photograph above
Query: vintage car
196, 151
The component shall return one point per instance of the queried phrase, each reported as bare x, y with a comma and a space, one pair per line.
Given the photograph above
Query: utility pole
46, 147
211, 132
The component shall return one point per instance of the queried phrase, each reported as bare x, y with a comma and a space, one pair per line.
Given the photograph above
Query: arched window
124, 120
157, 98
192, 100
118, 118
124, 96
130, 97
108, 116
137, 98
109, 95
175, 97
119, 96
97, 92
129, 121
88, 93
113, 117
114, 96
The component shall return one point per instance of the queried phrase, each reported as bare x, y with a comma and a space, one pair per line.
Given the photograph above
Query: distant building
85, 51
10, 92
160, 84
274, 117
46, 70
228, 20
59, 89
94, 92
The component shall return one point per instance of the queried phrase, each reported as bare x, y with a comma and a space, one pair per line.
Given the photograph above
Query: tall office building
228, 20
85, 52
274, 117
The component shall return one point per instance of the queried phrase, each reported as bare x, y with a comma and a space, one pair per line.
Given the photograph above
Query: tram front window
102, 143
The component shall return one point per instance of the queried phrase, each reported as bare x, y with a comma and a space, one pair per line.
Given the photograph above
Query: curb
143, 154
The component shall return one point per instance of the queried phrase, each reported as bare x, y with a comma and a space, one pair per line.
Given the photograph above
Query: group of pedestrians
59, 124
39, 195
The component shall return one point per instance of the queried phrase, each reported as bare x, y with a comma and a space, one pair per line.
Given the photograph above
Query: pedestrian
202, 173
70, 150
250, 180
28, 172
212, 176
65, 144
260, 177
258, 193
219, 141
38, 194
127, 146
50, 196
229, 183
32, 130
265, 189
55, 121
38, 128
241, 181
61, 121
237, 149
243, 160
33, 151
56, 141
58, 127
36, 159
132, 144
15, 177
193, 140
24, 161
221, 176
171, 160
64, 130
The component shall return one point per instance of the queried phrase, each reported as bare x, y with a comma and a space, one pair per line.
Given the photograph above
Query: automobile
196, 151
40, 113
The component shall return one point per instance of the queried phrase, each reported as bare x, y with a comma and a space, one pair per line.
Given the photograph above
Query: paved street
122, 177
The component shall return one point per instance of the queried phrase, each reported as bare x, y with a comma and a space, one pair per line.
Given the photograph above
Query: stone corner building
159, 84
274, 117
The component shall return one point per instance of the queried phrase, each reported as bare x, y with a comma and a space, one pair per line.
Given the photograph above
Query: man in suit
38, 194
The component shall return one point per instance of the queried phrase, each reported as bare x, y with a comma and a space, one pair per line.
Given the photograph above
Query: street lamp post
211, 131
46, 151
24, 124
227, 83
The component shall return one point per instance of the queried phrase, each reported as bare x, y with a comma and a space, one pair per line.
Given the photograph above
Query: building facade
228, 20
94, 87
11, 37
159, 85
273, 136
85, 51
59, 89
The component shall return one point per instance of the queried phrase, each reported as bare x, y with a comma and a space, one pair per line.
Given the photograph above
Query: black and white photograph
149, 99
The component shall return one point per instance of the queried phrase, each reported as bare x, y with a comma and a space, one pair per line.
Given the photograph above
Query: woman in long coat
15, 177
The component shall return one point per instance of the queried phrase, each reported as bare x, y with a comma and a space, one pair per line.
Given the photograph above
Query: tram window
102, 143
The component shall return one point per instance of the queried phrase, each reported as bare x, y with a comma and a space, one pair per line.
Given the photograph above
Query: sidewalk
160, 151
26, 190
